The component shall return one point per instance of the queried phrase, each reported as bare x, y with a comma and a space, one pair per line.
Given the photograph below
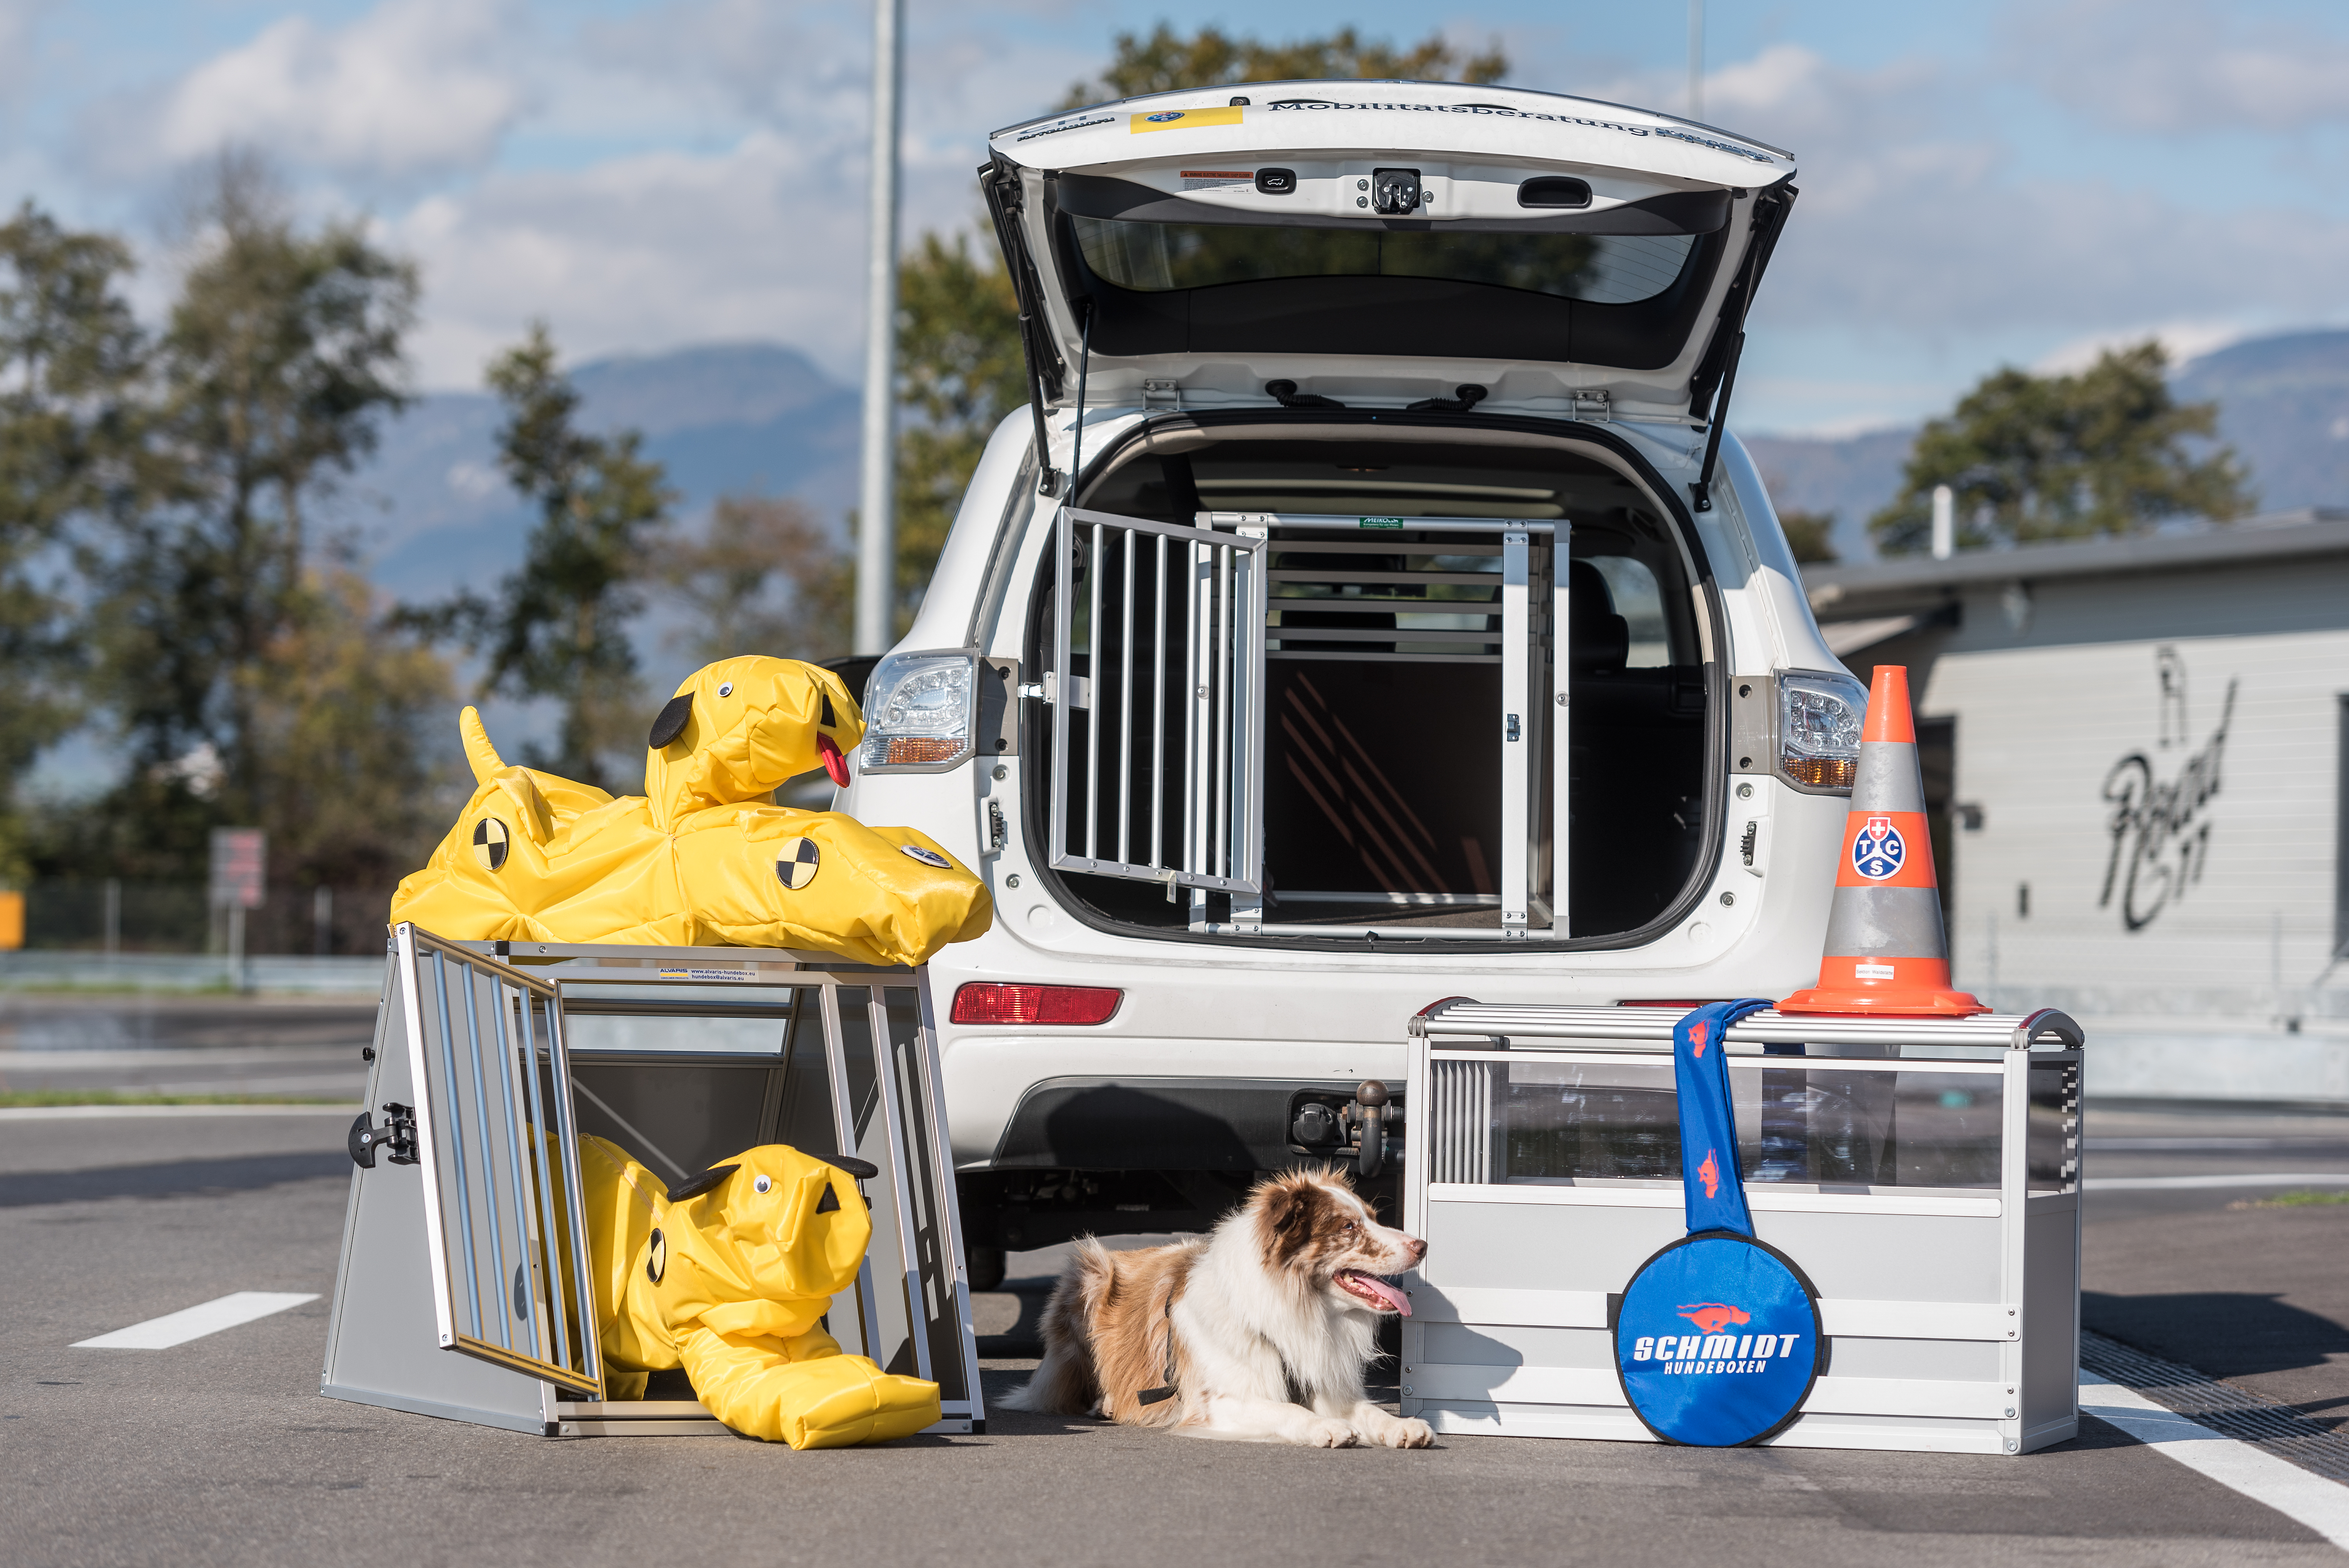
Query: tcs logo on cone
1887, 951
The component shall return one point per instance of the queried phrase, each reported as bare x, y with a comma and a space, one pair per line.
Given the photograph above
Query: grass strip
2302, 1198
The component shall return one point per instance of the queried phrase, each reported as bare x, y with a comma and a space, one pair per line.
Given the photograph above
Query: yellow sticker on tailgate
1183, 119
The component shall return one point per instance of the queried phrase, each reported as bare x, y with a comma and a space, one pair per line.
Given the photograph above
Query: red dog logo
1712, 1316
1709, 1174
1697, 1033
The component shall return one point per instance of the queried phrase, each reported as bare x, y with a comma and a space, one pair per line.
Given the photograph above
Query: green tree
1810, 534
70, 355
279, 358
960, 370
355, 715
1167, 61
726, 583
559, 628
2065, 457
959, 359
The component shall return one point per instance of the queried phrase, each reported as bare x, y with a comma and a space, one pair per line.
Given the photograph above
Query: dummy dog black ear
671, 722
862, 1169
830, 1203
701, 1183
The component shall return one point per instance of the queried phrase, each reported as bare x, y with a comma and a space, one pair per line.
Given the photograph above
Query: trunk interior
1382, 684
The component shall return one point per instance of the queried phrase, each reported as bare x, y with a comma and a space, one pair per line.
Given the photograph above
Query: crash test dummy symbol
1877, 852
491, 842
796, 866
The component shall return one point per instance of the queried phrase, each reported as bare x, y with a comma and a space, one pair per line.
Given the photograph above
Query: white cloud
1914, 223
760, 235
412, 86
639, 252
2183, 340
2180, 66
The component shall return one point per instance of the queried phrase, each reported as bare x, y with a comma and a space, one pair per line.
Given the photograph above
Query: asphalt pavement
221, 1450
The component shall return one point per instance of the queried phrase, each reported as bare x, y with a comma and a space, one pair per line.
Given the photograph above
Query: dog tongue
1383, 1290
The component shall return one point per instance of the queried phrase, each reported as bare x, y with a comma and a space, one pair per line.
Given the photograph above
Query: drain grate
2232, 1412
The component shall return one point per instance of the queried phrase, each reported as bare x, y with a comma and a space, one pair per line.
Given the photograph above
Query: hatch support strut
1720, 367
1000, 183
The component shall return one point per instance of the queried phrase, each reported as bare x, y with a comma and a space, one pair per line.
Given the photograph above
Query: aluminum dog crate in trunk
459, 1239
1924, 1173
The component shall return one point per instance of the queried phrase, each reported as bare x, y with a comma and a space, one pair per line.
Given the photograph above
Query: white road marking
2298, 1495
2163, 1145
2243, 1178
195, 1321
81, 1112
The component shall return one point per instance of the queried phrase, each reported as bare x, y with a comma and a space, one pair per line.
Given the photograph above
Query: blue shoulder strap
1713, 1186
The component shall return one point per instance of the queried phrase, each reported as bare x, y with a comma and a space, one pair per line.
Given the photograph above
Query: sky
1983, 184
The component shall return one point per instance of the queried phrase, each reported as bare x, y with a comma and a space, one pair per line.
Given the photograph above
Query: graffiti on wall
2160, 828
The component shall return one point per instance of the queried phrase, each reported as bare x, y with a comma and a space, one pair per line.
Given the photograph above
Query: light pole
877, 534
1696, 59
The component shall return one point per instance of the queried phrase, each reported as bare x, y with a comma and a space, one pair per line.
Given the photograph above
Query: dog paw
1322, 1432
1412, 1433
1387, 1431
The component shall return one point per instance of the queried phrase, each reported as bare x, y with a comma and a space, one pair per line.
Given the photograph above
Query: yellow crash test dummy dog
727, 1277
701, 858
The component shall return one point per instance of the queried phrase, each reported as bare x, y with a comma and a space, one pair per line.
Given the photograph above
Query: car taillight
987, 1002
1818, 729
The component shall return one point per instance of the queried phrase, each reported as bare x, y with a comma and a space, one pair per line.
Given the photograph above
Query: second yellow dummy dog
727, 1277
701, 858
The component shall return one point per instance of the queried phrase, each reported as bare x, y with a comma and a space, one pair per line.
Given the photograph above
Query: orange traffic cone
1887, 951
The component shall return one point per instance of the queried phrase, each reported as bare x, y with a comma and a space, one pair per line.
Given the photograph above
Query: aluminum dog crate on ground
460, 1292
1925, 1175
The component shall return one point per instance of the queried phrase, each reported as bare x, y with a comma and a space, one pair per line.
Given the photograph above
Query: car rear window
1604, 269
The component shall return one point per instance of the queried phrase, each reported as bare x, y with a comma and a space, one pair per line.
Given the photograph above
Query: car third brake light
989, 1002
1818, 729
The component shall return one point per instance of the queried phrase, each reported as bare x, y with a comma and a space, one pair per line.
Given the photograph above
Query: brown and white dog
1259, 1330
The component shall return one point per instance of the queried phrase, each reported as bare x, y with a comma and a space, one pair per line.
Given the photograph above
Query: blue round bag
1717, 1335
1717, 1341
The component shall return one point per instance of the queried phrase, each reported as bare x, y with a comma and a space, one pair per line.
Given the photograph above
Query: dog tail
1066, 1383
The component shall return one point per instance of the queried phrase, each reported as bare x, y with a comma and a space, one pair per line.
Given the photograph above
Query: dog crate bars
463, 1290
1923, 1172
1213, 603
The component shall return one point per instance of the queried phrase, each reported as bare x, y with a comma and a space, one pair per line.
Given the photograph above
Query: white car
1244, 690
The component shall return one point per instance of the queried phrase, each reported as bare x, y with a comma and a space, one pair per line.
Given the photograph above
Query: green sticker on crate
1379, 521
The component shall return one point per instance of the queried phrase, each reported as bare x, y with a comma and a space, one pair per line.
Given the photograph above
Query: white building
2137, 756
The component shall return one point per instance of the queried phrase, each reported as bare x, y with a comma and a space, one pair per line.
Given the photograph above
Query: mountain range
2283, 406
430, 512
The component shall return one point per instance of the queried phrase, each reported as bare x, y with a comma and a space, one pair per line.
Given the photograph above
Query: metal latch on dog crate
396, 1138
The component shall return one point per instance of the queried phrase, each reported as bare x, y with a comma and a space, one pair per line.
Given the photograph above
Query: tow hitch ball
1371, 1098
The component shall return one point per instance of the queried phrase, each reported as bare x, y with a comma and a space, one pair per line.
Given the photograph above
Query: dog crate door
1157, 697
505, 1225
